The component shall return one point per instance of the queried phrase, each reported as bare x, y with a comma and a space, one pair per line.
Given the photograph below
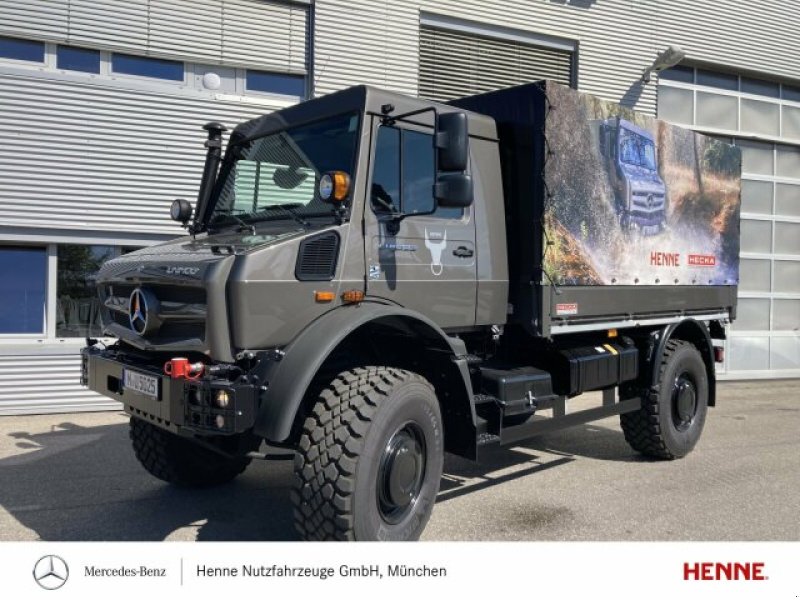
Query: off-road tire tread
180, 462
641, 428
330, 445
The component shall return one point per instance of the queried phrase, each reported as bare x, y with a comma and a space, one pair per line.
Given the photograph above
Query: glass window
275, 176
752, 314
756, 236
715, 110
675, 105
418, 173
760, 117
757, 197
21, 49
791, 122
77, 303
791, 93
757, 158
787, 199
786, 315
787, 276
385, 191
78, 59
754, 275
416, 167
723, 81
276, 83
788, 164
23, 272
787, 238
761, 87
147, 67
679, 73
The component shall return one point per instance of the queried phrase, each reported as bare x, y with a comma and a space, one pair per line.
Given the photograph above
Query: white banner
419, 571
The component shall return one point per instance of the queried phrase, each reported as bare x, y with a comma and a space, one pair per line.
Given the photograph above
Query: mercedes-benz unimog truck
632, 165
371, 280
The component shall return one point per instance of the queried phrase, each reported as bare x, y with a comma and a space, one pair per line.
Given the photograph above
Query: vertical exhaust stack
213, 155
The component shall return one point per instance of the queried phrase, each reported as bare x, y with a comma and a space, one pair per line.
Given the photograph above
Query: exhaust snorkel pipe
213, 156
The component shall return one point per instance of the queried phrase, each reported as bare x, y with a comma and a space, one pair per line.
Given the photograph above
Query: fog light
220, 422
222, 399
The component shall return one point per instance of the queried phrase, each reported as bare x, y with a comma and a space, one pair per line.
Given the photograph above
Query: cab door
424, 262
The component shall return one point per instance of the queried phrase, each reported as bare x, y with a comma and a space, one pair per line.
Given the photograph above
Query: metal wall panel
454, 64
259, 33
35, 383
38, 19
617, 40
97, 157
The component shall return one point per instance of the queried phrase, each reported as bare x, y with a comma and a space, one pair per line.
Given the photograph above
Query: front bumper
180, 406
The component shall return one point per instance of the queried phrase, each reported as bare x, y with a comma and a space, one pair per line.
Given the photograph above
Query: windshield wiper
289, 209
241, 224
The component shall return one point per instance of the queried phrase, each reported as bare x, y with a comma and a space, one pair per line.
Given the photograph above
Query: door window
403, 175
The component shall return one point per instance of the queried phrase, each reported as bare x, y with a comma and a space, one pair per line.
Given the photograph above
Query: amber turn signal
334, 186
612, 333
324, 296
352, 296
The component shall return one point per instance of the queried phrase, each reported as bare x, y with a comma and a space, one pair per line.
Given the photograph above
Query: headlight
222, 399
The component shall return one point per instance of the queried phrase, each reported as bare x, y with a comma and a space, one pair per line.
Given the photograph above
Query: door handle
463, 252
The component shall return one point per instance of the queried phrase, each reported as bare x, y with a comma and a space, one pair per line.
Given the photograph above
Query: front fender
289, 378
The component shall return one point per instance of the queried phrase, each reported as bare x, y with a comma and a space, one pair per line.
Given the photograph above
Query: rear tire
369, 460
671, 419
177, 460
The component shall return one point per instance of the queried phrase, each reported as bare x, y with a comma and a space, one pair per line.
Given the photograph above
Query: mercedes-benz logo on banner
51, 572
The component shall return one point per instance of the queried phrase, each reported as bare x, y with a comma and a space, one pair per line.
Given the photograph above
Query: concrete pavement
74, 477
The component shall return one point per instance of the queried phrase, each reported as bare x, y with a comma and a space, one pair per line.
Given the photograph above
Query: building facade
101, 104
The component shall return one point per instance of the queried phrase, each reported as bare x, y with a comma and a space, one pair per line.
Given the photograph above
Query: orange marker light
324, 296
341, 185
612, 333
352, 296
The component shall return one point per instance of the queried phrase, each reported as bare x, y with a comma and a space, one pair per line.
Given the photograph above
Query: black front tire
177, 460
672, 416
369, 460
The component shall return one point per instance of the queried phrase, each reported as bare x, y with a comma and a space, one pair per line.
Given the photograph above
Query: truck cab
630, 156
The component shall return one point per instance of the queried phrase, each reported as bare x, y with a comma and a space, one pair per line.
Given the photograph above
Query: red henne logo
732, 571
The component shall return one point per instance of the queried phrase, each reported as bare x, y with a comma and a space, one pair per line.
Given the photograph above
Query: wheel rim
684, 401
401, 472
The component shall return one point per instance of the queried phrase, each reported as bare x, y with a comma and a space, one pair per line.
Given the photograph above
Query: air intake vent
316, 260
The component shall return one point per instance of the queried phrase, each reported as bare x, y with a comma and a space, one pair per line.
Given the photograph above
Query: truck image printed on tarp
629, 153
633, 200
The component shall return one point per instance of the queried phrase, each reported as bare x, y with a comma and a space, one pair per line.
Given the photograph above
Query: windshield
637, 150
276, 176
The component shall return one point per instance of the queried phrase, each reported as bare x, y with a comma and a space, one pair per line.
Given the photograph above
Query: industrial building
102, 103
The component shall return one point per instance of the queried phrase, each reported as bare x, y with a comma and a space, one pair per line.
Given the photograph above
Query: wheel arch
348, 335
696, 333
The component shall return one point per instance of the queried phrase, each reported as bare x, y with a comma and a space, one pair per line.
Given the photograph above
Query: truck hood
187, 259
644, 179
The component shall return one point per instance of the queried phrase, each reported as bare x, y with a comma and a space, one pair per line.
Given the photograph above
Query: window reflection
77, 304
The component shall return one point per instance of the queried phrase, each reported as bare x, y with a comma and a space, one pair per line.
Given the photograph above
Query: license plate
146, 385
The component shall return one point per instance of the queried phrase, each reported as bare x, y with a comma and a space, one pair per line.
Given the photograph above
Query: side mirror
180, 211
452, 142
453, 190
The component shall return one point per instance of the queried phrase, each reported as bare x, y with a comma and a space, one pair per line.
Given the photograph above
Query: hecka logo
733, 571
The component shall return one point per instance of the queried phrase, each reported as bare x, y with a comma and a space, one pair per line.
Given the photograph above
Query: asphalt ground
74, 477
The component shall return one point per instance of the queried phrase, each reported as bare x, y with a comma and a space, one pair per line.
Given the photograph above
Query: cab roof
357, 98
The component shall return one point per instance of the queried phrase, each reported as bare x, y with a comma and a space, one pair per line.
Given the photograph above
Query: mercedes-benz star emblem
51, 572
137, 311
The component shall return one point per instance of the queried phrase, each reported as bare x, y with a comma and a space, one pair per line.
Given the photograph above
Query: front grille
164, 293
316, 260
182, 311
